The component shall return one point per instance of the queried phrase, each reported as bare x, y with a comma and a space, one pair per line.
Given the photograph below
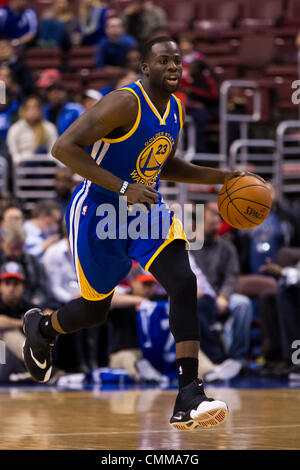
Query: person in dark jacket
36, 290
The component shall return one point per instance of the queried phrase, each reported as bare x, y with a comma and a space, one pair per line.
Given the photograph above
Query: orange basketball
244, 202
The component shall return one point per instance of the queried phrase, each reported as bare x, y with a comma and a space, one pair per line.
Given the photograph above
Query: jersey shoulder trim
180, 111
134, 127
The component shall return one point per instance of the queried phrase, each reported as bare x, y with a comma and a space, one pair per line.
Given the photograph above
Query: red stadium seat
292, 15
179, 16
258, 14
217, 15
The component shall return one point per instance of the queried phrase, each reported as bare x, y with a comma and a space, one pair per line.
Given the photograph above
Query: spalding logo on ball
244, 202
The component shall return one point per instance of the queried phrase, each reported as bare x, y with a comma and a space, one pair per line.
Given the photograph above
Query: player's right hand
140, 193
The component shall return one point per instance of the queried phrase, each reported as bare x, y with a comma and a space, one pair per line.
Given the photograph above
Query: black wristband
123, 188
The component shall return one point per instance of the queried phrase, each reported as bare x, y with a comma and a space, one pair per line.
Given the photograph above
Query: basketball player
134, 133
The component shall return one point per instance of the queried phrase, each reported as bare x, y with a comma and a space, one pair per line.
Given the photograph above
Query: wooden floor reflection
138, 419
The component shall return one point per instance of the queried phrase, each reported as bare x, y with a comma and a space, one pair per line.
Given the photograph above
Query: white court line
100, 433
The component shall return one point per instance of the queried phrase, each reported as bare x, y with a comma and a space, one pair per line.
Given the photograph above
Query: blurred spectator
12, 308
93, 15
218, 261
133, 61
90, 98
280, 229
64, 185
7, 78
61, 274
8, 113
188, 55
11, 215
42, 230
61, 10
32, 134
123, 344
18, 23
124, 79
142, 17
21, 73
47, 78
59, 110
12, 249
280, 319
202, 91
112, 49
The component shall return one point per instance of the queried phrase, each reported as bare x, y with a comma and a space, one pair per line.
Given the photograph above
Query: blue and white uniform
137, 157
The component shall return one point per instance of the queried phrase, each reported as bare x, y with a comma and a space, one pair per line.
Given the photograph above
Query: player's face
164, 66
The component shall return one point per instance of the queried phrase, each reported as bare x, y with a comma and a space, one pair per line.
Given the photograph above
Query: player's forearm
181, 171
7, 322
80, 162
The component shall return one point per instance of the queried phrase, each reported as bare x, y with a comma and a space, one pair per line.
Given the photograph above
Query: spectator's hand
236, 173
200, 293
271, 268
50, 241
222, 304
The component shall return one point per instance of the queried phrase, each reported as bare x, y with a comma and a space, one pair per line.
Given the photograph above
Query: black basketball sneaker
194, 409
36, 349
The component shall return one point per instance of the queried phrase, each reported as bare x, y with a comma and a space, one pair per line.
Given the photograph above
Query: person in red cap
12, 306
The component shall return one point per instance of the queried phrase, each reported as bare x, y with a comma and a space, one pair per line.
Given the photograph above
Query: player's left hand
234, 174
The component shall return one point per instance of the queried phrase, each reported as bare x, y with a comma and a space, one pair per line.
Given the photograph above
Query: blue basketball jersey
139, 155
155, 338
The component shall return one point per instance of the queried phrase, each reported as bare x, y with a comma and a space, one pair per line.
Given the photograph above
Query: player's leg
41, 331
192, 408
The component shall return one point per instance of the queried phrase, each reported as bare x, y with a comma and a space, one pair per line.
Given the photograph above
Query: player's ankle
187, 370
46, 328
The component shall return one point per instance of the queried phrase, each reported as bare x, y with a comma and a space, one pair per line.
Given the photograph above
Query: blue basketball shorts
106, 234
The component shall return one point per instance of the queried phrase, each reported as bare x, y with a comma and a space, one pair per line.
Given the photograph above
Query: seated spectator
280, 229
21, 73
7, 78
12, 308
12, 214
279, 313
18, 23
142, 17
42, 229
61, 274
90, 98
61, 10
188, 55
58, 109
12, 249
202, 90
32, 134
112, 49
8, 113
64, 185
133, 61
93, 15
218, 261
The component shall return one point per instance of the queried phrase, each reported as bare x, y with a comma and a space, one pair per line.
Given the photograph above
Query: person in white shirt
31, 134
42, 230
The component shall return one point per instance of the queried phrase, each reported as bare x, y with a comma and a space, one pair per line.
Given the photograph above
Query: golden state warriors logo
151, 159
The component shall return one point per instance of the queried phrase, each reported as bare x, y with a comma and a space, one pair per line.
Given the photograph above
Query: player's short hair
148, 45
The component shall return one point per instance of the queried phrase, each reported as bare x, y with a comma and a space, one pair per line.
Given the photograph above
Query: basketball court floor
41, 417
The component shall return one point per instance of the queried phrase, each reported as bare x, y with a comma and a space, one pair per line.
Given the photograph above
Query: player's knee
185, 286
95, 312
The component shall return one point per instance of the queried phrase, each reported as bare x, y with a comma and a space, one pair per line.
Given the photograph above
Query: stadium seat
179, 16
215, 15
258, 14
292, 14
